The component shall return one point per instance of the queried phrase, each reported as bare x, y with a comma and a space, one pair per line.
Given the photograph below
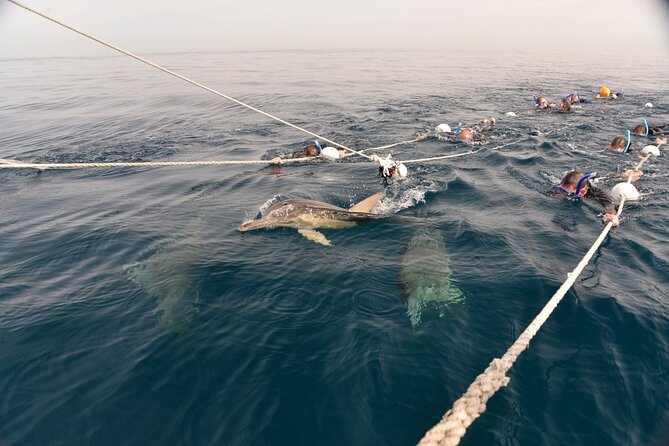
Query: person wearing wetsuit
646, 130
576, 184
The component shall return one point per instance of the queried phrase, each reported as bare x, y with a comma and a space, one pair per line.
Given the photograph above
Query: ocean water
132, 310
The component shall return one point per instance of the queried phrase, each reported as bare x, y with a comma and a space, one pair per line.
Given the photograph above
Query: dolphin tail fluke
368, 203
416, 305
314, 236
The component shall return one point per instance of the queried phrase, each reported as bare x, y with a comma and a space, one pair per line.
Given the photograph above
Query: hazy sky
145, 26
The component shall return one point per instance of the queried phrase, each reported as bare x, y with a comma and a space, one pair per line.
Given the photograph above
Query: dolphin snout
253, 224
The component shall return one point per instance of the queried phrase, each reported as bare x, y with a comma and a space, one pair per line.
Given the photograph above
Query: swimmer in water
577, 184
565, 106
621, 144
312, 150
575, 98
646, 130
541, 103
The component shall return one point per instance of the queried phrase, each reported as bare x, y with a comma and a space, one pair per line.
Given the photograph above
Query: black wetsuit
662, 130
601, 197
593, 193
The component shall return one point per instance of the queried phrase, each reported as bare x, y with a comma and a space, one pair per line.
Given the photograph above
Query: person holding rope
577, 184
310, 151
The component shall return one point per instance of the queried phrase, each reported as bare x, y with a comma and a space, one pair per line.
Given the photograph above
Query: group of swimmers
567, 103
624, 143
574, 185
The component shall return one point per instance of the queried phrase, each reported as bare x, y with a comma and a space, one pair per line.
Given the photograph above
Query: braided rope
453, 425
11, 164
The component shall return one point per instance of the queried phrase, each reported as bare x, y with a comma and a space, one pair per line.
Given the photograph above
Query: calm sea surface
132, 311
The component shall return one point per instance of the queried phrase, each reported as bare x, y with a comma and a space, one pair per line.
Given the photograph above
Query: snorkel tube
318, 146
629, 140
536, 101
645, 124
458, 129
582, 181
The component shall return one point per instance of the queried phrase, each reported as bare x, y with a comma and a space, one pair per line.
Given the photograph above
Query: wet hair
565, 105
311, 150
572, 178
619, 143
639, 130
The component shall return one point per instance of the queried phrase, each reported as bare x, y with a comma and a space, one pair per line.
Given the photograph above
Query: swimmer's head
565, 105
466, 135
618, 143
639, 130
575, 183
542, 102
311, 150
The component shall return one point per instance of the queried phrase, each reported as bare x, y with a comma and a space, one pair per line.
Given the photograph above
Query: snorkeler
312, 150
575, 98
474, 133
621, 144
565, 106
442, 131
646, 130
541, 103
577, 184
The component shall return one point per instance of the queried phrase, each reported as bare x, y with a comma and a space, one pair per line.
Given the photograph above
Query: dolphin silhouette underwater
308, 215
425, 273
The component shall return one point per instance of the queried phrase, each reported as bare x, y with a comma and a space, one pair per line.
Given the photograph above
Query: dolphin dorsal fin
368, 203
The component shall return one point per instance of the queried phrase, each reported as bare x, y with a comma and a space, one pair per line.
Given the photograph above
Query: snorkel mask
579, 186
629, 141
570, 96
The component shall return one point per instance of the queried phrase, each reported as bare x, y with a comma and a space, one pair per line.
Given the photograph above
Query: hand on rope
453, 425
389, 168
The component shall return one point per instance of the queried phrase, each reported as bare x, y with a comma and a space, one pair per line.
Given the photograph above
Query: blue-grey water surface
132, 311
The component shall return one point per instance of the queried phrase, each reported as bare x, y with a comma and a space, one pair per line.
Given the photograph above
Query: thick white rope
453, 425
11, 164
184, 78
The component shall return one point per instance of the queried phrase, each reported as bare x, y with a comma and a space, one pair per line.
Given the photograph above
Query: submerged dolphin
167, 274
426, 274
308, 215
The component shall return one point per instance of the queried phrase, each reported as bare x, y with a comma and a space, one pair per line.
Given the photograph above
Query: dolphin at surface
426, 274
308, 215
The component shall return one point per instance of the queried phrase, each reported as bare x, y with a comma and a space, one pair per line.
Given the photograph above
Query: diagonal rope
453, 425
184, 78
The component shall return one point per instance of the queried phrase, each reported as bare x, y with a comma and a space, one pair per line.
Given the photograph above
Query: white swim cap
653, 150
648, 105
330, 153
510, 114
443, 128
626, 190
